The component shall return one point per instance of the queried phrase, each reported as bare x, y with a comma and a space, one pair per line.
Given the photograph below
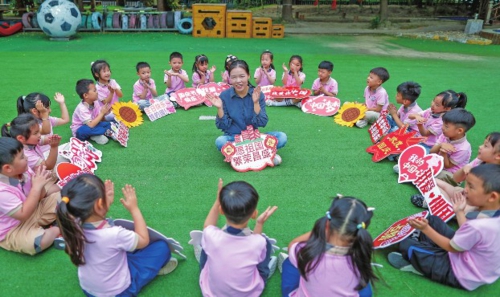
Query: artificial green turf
174, 165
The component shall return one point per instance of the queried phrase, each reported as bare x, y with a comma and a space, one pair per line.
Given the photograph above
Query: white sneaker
100, 139
395, 168
272, 266
361, 123
169, 267
277, 160
281, 258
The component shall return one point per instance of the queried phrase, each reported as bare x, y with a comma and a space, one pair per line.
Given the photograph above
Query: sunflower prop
350, 113
128, 113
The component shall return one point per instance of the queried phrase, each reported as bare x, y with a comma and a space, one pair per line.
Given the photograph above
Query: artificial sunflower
128, 113
350, 113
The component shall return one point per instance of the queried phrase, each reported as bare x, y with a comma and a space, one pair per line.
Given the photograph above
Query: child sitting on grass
452, 145
26, 212
88, 118
489, 153
334, 259
376, 98
235, 261
468, 257
144, 87
406, 95
324, 84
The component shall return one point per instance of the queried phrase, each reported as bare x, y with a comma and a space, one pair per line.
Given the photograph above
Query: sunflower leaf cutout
350, 113
128, 113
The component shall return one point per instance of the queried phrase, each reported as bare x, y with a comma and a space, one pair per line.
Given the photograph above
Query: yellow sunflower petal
349, 114
128, 113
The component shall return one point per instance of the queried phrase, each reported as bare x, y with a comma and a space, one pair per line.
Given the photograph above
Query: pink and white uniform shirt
330, 86
461, 156
376, 98
103, 91
83, 114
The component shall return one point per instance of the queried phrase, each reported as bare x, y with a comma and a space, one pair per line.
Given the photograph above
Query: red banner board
438, 205
397, 232
67, 171
321, 105
250, 150
289, 92
159, 109
82, 154
414, 161
188, 97
380, 127
393, 143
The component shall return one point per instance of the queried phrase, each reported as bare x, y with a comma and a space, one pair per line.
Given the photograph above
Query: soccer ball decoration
58, 18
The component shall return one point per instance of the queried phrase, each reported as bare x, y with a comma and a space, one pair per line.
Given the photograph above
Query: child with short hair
292, 77
26, 212
406, 94
452, 145
144, 87
227, 62
88, 119
38, 105
111, 260
108, 90
235, 261
376, 98
430, 122
201, 74
468, 257
265, 75
334, 259
176, 78
26, 130
489, 153
325, 84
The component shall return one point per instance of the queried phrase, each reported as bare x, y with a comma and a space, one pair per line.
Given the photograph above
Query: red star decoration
393, 143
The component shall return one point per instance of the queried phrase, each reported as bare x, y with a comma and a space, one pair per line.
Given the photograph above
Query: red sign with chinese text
82, 154
120, 133
250, 150
397, 232
393, 143
289, 92
266, 90
414, 161
67, 171
380, 127
438, 205
321, 105
159, 109
188, 97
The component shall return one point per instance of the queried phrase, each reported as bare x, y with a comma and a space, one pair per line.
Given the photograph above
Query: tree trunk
384, 10
161, 5
286, 11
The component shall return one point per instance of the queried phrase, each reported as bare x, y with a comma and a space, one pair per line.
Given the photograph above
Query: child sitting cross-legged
234, 261
468, 257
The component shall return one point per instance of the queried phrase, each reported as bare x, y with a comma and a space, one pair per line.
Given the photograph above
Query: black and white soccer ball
58, 18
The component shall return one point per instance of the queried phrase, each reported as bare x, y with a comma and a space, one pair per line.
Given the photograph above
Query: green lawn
175, 167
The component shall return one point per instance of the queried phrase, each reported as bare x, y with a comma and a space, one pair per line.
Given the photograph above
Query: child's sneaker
169, 267
397, 261
361, 123
100, 139
59, 243
277, 160
395, 168
281, 258
196, 242
418, 200
272, 266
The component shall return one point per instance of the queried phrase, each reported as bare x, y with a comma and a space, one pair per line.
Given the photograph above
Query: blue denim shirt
239, 112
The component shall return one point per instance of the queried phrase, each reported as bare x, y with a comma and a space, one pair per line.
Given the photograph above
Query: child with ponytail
334, 259
111, 260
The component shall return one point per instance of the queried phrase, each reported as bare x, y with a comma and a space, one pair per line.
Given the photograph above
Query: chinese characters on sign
397, 231
321, 105
250, 150
159, 109
380, 127
393, 143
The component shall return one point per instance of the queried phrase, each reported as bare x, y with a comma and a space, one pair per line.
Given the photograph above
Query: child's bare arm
263, 218
302, 238
213, 214
59, 98
423, 225
54, 141
40, 179
130, 203
104, 110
